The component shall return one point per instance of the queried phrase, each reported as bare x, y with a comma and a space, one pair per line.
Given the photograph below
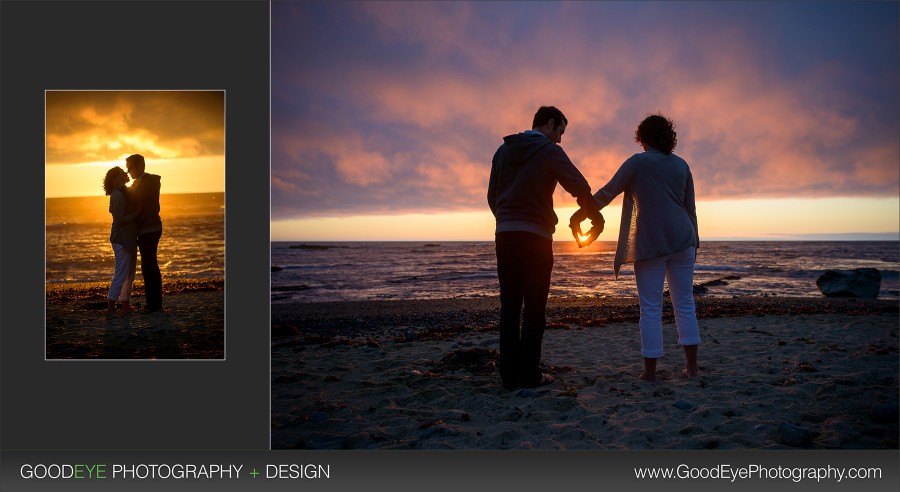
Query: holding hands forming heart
596, 228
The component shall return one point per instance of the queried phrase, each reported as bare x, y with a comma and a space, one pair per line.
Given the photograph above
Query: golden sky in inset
181, 135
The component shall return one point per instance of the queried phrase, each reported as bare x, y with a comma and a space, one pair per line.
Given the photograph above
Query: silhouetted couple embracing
658, 235
136, 227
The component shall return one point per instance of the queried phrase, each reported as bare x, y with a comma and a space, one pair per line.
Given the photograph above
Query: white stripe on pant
678, 270
126, 264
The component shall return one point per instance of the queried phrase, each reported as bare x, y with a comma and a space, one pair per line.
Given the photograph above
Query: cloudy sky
384, 111
181, 135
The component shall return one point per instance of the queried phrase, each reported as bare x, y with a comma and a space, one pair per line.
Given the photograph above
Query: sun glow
761, 219
181, 134
189, 175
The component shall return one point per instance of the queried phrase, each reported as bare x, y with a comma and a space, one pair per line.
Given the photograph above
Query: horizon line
850, 237
161, 194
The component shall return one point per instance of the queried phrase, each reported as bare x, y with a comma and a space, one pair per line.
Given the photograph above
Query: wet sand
190, 326
776, 373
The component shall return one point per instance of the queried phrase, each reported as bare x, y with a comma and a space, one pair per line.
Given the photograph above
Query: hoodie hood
522, 146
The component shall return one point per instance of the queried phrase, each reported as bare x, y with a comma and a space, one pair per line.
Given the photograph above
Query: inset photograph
135, 224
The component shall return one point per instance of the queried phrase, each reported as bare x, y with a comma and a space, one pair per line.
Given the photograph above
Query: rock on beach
861, 282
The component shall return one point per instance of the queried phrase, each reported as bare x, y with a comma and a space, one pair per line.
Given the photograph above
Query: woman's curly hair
658, 132
108, 179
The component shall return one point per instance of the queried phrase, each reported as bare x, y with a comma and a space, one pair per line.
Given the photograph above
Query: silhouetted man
524, 174
145, 191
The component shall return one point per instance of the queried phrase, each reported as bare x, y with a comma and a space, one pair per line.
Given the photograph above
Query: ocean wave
476, 276
587, 254
58, 225
391, 270
719, 268
289, 288
444, 277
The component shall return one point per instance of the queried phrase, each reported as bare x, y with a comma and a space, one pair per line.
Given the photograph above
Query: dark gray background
218, 412
471, 471
135, 404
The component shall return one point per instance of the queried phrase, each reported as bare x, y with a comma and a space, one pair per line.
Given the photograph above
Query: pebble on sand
794, 436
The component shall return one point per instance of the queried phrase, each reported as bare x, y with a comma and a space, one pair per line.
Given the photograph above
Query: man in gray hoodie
145, 191
524, 174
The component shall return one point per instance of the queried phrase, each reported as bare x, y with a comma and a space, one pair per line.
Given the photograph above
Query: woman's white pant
678, 270
126, 264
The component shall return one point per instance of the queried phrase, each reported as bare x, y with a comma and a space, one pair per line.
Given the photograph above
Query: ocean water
342, 271
192, 244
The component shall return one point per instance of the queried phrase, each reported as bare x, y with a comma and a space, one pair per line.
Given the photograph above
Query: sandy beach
190, 326
776, 373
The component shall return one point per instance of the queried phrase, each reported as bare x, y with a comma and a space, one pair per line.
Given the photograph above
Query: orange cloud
85, 126
408, 117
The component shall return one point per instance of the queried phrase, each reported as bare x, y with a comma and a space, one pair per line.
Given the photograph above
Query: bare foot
690, 358
649, 373
546, 379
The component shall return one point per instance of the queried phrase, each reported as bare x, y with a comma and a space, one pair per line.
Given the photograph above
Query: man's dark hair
136, 160
658, 132
547, 113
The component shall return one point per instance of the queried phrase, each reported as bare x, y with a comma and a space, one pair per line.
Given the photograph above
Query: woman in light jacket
659, 235
123, 237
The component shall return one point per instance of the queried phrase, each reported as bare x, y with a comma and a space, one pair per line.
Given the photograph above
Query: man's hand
590, 208
577, 218
597, 224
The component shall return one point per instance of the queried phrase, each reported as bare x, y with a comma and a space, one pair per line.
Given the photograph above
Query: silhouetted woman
123, 237
659, 235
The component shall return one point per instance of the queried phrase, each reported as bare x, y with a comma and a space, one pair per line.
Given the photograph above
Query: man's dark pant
147, 246
524, 263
